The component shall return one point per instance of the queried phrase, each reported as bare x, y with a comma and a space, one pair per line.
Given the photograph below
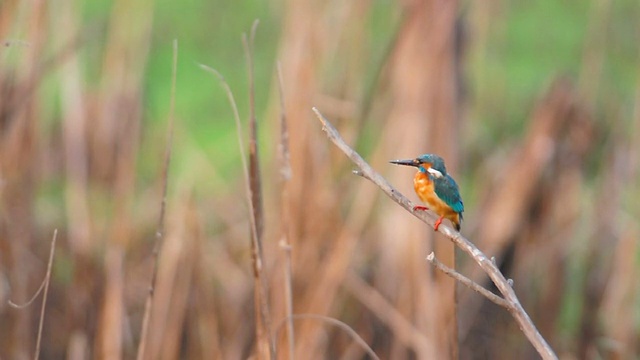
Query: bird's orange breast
426, 192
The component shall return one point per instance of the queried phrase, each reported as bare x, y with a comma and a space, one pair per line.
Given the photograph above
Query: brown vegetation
302, 259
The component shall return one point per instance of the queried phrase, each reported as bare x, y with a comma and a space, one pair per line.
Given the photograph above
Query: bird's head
427, 163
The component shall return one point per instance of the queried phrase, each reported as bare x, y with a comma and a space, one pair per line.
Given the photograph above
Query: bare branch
516, 310
467, 282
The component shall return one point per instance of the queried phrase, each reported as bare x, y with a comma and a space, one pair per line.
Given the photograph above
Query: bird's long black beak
410, 162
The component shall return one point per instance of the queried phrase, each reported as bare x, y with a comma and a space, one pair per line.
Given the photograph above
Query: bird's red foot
420, 207
437, 224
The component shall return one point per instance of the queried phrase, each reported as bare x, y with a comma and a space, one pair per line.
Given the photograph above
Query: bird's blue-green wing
447, 190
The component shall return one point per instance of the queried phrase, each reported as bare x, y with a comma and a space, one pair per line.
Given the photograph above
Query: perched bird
436, 188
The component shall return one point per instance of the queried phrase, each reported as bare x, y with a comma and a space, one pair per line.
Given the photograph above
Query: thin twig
516, 310
44, 285
163, 204
337, 323
467, 282
44, 296
35, 296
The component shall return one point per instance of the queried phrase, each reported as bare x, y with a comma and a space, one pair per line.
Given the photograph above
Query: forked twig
515, 308
467, 282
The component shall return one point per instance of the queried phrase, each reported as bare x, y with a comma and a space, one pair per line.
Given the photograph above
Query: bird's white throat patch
434, 172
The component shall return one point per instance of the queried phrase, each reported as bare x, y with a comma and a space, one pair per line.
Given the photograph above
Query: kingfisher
436, 188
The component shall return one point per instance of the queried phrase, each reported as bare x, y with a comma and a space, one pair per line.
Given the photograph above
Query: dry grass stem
352, 333
163, 204
44, 296
260, 290
243, 156
402, 328
254, 168
265, 343
285, 244
43, 286
516, 310
431, 258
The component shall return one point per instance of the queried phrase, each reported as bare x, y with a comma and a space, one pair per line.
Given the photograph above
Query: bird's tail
457, 223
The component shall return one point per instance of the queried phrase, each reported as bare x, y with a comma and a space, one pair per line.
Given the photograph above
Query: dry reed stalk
17, 166
402, 328
341, 325
259, 291
235, 349
180, 294
515, 308
314, 222
163, 204
549, 209
173, 284
424, 111
285, 215
505, 208
545, 239
400, 236
400, 276
74, 130
44, 296
299, 56
204, 336
307, 225
44, 286
539, 249
321, 298
75, 110
265, 341
411, 297
116, 140
620, 294
443, 98
599, 257
254, 164
323, 295
593, 53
